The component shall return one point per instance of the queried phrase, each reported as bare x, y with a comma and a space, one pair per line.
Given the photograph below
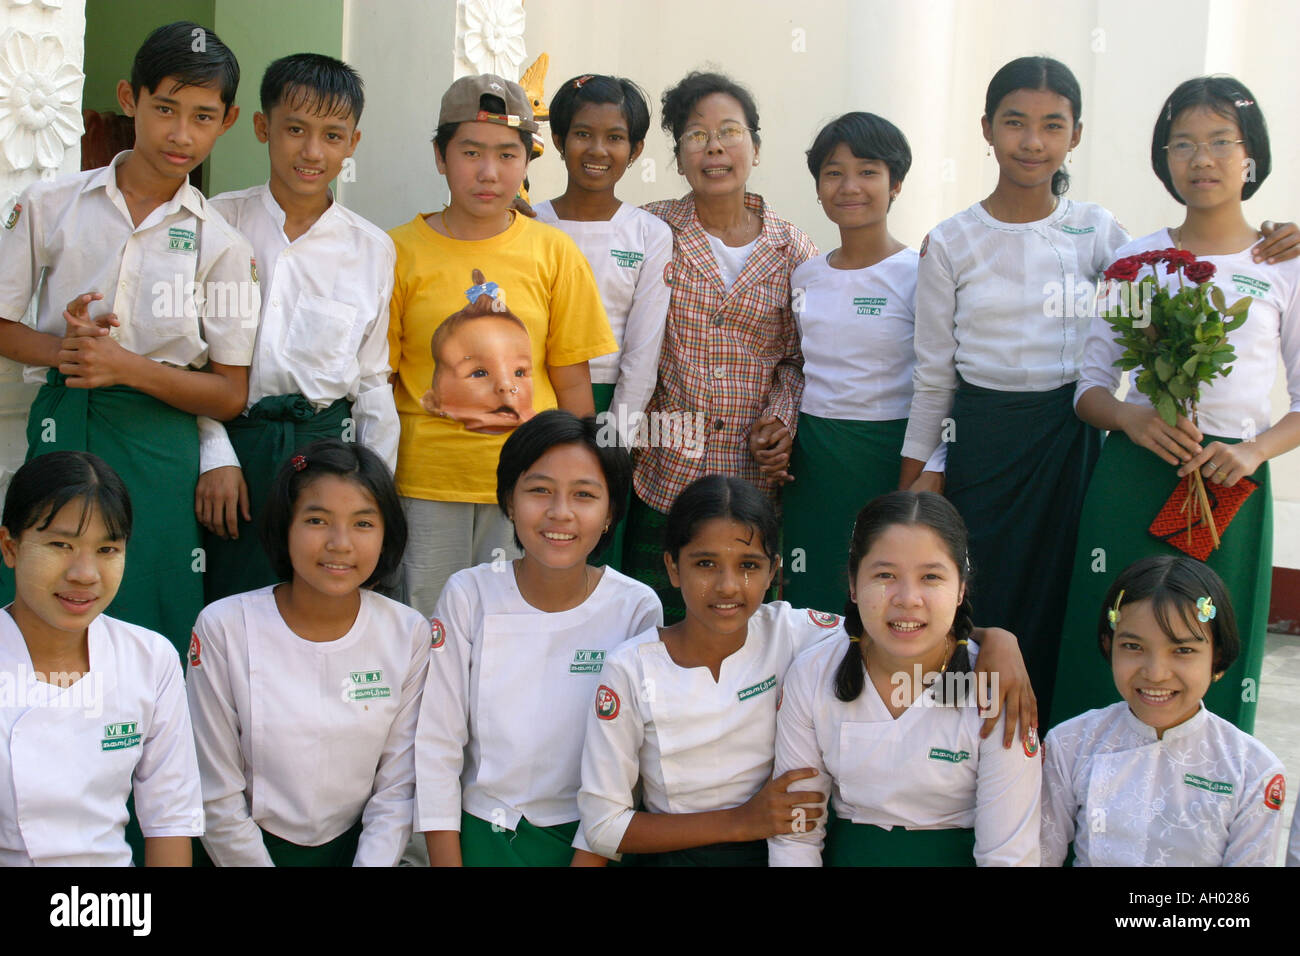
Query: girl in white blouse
96, 710
1210, 149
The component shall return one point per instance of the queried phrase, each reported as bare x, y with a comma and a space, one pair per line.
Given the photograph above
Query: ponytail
1060, 182
850, 676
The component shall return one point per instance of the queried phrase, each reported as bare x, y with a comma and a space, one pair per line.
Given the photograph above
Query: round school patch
1030, 743
824, 618
439, 633
1275, 792
13, 215
607, 703
196, 649
780, 696
925, 244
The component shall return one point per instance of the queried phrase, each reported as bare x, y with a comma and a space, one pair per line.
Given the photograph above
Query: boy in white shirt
321, 363
174, 335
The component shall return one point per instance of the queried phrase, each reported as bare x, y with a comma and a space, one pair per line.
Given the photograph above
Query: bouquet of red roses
1178, 340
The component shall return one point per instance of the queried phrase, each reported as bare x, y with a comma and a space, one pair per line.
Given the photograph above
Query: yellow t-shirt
547, 283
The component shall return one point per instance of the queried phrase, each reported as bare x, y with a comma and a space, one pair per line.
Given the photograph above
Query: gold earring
990, 150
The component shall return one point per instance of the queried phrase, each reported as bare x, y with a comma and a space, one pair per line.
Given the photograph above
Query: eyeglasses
694, 140
1219, 149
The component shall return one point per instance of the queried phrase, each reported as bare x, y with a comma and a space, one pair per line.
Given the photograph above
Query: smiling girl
1210, 149
518, 651
101, 714
304, 694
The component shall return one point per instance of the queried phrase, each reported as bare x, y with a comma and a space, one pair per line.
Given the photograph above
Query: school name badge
868, 305
587, 662
121, 735
181, 240
367, 685
626, 259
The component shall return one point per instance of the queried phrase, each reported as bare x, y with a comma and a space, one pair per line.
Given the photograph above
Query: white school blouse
182, 284
501, 727
694, 743
1293, 845
71, 756
927, 770
1237, 406
1005, 305
1206, 794
628, 255
303, 738
324, 331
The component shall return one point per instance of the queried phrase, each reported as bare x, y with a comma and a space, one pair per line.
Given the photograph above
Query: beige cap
460, 104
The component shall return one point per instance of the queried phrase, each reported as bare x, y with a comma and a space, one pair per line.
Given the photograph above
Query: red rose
1124, 270
1177, 259
1154, 257
1199, 272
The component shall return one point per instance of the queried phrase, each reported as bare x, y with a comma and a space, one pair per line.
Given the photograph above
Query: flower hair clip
579, 80
299, 462
1205, 610
1243, 103
1113, 614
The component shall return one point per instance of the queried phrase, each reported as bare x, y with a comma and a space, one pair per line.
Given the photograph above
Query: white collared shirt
695, 744
1293, 845
927, 770
1205, 794
303, 738
324, 329
505, 708
71, 756
1238, 405
628, 255
182, 284
1005, 305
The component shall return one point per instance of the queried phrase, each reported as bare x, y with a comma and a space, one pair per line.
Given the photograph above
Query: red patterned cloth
728, 356
1170, 525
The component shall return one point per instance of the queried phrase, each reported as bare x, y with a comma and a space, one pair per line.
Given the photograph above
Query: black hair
445, 133
679, 100
615, 90
1037, 73
1173, 583
42, 486
726, 497
1229, 98
313, 81
357, 463
544, 431
190, 54
867, 136
928, 510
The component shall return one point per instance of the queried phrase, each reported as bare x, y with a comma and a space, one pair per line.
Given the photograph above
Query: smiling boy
173, 290
320, 369
446, 471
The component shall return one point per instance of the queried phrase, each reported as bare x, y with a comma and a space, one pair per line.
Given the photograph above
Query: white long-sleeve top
1205, 794
1238, 405
1293, 845
927, 770
628, 255
695, 744
71, 756
1005, 305
324, 330
303, 738
501, 727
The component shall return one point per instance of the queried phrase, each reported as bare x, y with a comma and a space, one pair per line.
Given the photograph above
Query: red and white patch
13, 215
1030, 743
780, 696
925, 245
607, 703
1275, 792
196, 648
439, 633
824, 618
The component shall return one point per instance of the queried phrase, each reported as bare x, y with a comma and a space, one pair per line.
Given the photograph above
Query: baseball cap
460, 104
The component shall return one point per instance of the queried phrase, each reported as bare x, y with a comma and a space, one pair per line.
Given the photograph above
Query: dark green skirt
264, 438
838, 466
612, 555
154, 448
482, 844
864, 844
340, 851
1018, 472
1128, 490
751, 853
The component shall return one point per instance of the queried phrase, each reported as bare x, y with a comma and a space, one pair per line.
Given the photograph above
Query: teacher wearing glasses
730, 373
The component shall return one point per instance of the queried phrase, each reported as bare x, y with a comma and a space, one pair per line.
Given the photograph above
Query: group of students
320, 481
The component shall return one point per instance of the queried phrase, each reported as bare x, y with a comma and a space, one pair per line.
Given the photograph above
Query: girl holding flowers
1210, 149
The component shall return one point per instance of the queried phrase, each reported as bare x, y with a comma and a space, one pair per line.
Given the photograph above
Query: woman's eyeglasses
1219, 148
695, 140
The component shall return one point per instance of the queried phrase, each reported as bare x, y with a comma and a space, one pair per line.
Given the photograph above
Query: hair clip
1113, 614
579, 80
474, 293
961, 642
1242, 103
1169, 110
854, 640
299, 462
1205, 609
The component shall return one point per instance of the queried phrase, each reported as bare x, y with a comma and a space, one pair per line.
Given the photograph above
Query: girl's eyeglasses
1219, 148
694, 140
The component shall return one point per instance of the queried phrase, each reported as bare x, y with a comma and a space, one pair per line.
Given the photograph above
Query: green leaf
1168, 411
1240, 306
1216, 296
1189, 367
1164, 369
1181, 389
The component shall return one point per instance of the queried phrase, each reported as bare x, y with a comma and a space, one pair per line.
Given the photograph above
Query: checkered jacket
728, 356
